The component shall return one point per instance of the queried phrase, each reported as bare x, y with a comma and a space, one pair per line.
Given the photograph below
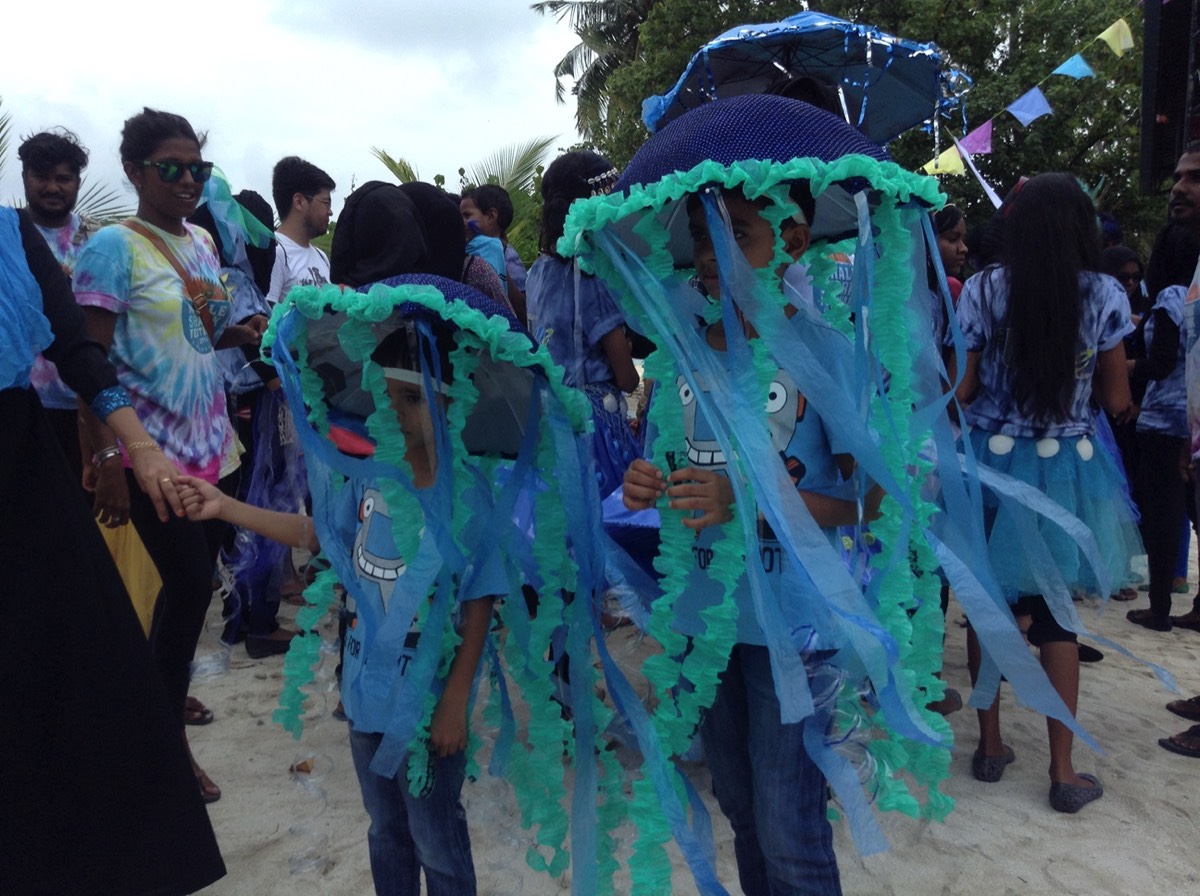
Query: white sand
279, 837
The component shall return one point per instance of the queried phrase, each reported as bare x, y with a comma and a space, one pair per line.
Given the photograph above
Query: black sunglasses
172, 172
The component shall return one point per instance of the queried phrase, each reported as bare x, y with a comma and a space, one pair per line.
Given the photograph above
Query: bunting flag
1118, 37
979, 141
987, 188
1027, 109
949, 162
1030, 107
1075, 67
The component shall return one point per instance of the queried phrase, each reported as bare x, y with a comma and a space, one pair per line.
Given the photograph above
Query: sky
441, 83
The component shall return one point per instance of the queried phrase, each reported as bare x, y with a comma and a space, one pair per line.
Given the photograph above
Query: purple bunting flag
979, 141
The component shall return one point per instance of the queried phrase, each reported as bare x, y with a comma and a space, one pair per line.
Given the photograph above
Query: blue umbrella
884, 84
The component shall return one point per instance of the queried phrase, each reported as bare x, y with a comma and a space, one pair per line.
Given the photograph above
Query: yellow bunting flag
949, 162
1118, 37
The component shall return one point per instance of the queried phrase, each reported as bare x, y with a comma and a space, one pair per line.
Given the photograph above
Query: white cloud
442, 84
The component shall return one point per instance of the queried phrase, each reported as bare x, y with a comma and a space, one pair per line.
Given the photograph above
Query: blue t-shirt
807, 453
982, 311
1164, 406
383, 580
551, 303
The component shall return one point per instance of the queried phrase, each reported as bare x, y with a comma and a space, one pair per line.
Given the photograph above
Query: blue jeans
409, 833
770, 790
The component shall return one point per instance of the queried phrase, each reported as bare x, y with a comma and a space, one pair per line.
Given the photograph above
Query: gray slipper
1073, 797
990, 769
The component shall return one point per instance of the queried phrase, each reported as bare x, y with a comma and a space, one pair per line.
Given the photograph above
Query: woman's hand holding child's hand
201, 499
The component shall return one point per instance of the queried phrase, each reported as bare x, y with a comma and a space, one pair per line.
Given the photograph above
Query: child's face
754, 234
412, 413
486, 221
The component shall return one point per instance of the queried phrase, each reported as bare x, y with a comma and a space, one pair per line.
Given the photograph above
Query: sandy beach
306, 834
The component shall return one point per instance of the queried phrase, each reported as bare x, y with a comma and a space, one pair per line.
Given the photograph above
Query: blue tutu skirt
1079, 474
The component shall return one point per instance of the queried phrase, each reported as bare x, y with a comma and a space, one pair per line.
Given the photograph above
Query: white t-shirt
295, 265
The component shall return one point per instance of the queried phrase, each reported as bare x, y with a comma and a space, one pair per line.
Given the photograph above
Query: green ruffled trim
754, 178
304, 654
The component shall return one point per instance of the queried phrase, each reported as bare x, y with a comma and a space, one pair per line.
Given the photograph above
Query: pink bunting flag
979, 141
1030, 107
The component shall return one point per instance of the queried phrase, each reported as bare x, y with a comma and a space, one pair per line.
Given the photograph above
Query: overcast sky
441, 83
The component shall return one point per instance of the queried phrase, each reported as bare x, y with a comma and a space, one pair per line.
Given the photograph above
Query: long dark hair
1050, 238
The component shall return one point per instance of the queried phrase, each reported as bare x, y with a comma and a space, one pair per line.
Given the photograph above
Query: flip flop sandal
1125, 594
196, 713
990, 769
1191, 748
1188, 709
209, 792
1070, 798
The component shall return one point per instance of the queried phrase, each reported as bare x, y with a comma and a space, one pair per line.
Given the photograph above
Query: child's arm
448, 728
204, 501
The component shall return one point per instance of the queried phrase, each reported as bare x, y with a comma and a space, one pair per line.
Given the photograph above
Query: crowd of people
137, 395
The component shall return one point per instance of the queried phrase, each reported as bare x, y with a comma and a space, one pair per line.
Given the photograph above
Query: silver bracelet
105, 454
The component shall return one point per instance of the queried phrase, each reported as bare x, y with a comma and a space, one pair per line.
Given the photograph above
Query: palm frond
401, 169
5, 133
103, 203
514, 166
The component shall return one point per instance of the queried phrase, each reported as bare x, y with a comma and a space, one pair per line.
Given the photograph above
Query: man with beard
51, 165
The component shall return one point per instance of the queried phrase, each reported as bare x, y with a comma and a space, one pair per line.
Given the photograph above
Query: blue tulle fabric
24, 330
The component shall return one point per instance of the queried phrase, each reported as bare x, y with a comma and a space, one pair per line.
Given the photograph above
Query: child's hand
201, 500
643, 485
705, 490
448, 727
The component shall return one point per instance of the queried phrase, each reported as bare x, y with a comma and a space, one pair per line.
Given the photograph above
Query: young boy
767, 785
488, 210
757, 436
410, 832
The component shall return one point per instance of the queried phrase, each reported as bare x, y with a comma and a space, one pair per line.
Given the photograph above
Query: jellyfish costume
865, 625
512, 513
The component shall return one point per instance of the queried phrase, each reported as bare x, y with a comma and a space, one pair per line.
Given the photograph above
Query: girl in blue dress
1043, 335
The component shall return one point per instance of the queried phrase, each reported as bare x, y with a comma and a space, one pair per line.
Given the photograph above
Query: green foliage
608, 40
1007, 48
5, 133
102, 203
401, 169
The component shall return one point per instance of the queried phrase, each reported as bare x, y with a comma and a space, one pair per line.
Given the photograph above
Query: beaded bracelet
134, 446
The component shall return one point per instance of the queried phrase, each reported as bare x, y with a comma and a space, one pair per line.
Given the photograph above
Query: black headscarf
386, 230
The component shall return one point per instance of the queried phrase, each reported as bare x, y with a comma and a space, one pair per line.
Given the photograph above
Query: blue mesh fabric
717, 131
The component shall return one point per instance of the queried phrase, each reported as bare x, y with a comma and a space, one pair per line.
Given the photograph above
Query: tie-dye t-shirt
982, 312
160, 348
66, 243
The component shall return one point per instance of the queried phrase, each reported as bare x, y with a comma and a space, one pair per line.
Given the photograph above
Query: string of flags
1027, 108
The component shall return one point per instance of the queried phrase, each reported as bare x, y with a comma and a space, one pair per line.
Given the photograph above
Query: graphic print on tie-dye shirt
66, 243
160, 348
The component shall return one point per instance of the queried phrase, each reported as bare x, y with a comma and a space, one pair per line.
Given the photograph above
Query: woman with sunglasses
153, 297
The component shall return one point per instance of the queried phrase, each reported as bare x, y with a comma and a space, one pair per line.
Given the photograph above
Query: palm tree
608, 39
